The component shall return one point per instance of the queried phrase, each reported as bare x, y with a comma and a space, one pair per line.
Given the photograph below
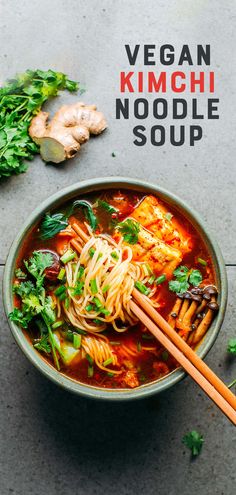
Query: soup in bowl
71, 272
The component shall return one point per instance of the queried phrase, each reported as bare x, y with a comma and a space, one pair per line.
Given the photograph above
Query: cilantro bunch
183, 278
20, 99
35, 305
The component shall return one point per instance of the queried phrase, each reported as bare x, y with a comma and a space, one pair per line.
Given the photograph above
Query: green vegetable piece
92, 252
90, 371
110, 374
68, 256
37, 264
194, 441
105, 311
105, 288
113, 154
89, 359
195, 277
142, 288
106, 206
232, 384
20, 274
130, 230
60, 290
93, 286
161, 279
76, 341
20, 99
89, 307
202, 261
61, 274
57, 324
97, 302
108, 361
232, 346
78, 289
151, 279
97, 321
115, 255
52, 224
88, 212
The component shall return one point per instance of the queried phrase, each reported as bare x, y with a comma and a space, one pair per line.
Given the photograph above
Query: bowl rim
61, 197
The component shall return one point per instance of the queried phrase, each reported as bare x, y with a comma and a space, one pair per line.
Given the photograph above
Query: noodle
106, 283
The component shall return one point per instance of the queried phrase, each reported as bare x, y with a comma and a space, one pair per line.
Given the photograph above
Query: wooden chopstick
211, 388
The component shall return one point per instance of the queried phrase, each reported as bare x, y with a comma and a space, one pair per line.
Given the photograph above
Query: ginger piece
70, 127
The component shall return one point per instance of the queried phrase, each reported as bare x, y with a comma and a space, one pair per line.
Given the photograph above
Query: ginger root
70, 127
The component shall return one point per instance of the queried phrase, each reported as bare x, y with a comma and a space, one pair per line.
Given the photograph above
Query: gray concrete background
55, 443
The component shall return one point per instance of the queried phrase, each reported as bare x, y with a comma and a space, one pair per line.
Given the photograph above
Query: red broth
139, 354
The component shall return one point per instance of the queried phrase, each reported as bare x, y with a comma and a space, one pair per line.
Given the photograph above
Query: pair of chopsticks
186, 357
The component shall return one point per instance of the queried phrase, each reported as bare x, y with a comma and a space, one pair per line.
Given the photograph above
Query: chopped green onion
97, 321
114, 343
97, 302
68, 256
89, 359
168, 216
78, 289
108, 361
81, 331
147, 269
110, 374
161, 279
80, 272
62, 296
202, 262
90, 371
105, 311
76, 340
61, 274
93, 286
165, 355
67, 302
89, 307
69, 335
91, 252
60, 290
139, 347
57, 324
151, 280
114, 255
142, 288
99, 256
105, 289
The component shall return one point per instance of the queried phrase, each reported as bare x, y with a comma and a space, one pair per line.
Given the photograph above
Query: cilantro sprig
130, 230
194, 441
184, 277
20, 99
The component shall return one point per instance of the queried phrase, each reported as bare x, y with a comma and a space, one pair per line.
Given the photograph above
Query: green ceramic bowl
56, 201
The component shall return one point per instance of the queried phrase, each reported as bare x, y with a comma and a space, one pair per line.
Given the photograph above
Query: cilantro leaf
178, 286
20, 318
232, 346
184, 277
20, 274
37, 264
130, 230
194, 442
195, 278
